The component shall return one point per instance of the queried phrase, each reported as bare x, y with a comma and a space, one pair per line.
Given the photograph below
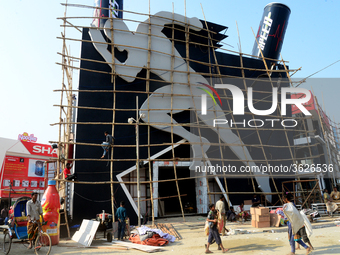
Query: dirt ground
325, 239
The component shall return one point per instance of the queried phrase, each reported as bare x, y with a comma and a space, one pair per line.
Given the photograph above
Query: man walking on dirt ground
213, 232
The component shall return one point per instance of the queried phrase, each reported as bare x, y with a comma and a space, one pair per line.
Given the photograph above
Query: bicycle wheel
43, 244
7, 243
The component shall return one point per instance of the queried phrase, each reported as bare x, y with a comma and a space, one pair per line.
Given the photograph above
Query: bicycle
42, 242
7, 242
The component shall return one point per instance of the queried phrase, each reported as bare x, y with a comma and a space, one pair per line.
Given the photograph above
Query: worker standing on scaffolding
106, 145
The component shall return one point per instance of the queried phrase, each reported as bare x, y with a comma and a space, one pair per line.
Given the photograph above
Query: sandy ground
326, 240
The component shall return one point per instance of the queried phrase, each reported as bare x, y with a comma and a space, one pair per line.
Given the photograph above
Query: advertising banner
40, 149
22, 173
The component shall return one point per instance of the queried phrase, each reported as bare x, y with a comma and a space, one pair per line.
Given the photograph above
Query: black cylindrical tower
114, 6
271, 31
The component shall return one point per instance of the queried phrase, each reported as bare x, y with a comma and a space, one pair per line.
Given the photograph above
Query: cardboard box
275, 220
252, 210
264, 224
262, 211
253, 223
262, 218
247, 202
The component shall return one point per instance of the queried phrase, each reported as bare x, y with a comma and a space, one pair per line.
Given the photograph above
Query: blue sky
28, 49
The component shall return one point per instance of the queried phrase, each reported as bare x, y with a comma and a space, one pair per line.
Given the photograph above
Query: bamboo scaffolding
141, 78
214, 110
143, 14
324, 134
163, 53
66, 75
211, 65
212, 159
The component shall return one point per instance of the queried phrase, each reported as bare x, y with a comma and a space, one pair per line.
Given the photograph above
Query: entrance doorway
167, 191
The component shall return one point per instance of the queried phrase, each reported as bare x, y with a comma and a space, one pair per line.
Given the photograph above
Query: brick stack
260, 217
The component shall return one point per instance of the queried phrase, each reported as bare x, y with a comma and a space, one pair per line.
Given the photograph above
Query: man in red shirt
67, 173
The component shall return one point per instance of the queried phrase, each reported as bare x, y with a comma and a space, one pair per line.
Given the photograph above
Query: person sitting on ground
106, 145
331, 206
67, 173
34, 211
121, 216
213, 231
241, 213
231, 215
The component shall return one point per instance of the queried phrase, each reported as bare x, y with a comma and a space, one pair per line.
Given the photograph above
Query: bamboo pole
113, 81
159, 181
172, 137
215, 144
163, 198
149, 134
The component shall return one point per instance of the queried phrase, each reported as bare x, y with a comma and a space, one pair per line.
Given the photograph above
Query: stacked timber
169, 229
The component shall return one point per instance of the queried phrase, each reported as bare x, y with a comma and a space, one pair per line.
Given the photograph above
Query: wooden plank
108, 247
175, 231
169, 229
113, 247
146, 248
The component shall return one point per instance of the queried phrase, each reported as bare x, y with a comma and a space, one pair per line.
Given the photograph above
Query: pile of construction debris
149, 239
159, 235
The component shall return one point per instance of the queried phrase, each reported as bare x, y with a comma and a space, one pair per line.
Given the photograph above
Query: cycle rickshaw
18, 225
